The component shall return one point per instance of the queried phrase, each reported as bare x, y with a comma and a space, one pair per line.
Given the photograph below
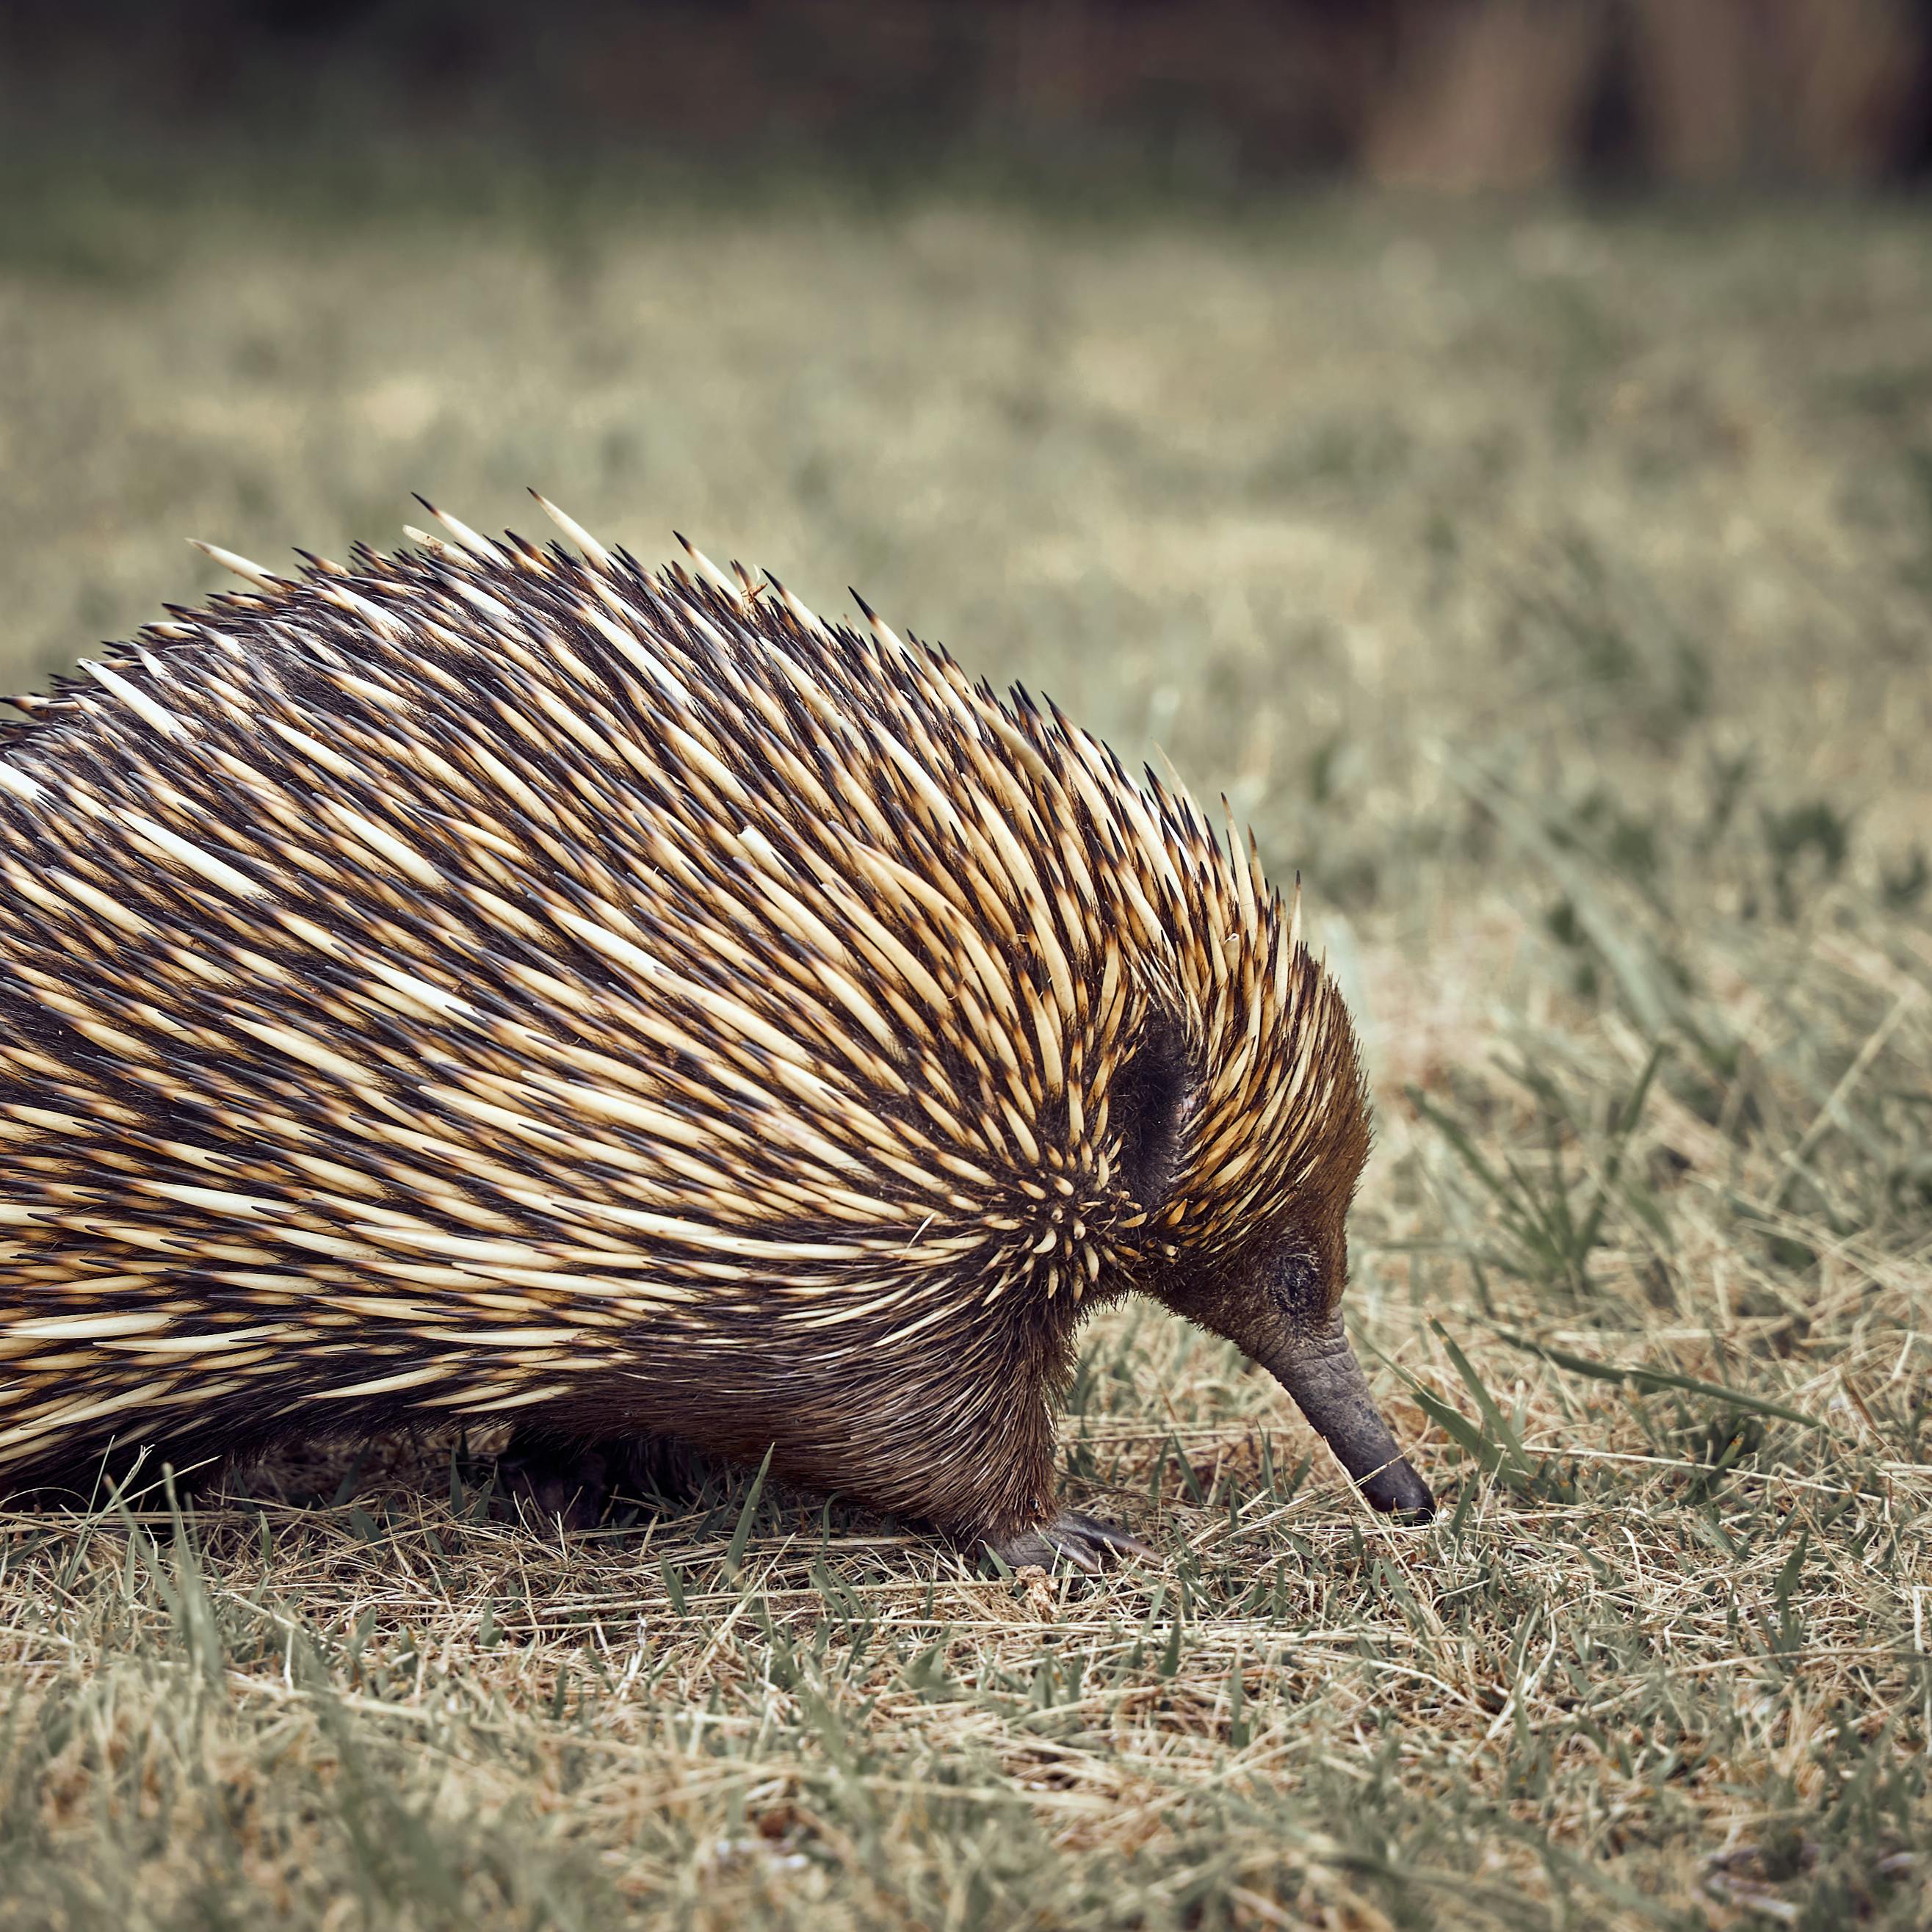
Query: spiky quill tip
250, 573
724, 586
575, 532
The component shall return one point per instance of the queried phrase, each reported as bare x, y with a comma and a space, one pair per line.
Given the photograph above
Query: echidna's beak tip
1398, 1490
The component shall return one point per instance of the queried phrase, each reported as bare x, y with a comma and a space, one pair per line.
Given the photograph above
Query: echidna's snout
1322, 1373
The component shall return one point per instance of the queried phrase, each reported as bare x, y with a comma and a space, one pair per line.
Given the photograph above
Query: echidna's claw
1072, 1538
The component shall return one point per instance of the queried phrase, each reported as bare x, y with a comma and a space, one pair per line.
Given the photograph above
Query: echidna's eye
1150, 1101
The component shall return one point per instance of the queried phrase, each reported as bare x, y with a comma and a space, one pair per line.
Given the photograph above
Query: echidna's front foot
1084, 1541
556, 1476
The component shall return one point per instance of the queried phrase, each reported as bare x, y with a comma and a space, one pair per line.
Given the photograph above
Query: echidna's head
1242, 1126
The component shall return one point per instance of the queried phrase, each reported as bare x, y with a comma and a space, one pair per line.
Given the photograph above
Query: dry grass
1557, 592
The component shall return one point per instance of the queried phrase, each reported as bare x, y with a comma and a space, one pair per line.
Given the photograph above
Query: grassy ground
1556, 591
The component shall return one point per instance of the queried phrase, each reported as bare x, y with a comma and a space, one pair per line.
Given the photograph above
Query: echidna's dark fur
482, 983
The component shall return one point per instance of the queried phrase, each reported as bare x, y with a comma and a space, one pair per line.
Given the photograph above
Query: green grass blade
1651, 1382
735, 1552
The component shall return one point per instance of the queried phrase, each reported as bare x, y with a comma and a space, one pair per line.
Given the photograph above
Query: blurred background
1457, 94
1490, 441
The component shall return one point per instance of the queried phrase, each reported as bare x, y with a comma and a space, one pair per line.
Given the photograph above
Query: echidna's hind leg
1084, 1541
550, 1476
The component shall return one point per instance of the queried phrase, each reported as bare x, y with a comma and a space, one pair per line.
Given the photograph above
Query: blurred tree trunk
1822, 89
1486, 95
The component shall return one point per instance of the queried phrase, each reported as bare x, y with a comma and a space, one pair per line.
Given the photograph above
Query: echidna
495, 982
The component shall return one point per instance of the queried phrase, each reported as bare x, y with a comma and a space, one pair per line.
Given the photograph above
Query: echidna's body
481, 982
